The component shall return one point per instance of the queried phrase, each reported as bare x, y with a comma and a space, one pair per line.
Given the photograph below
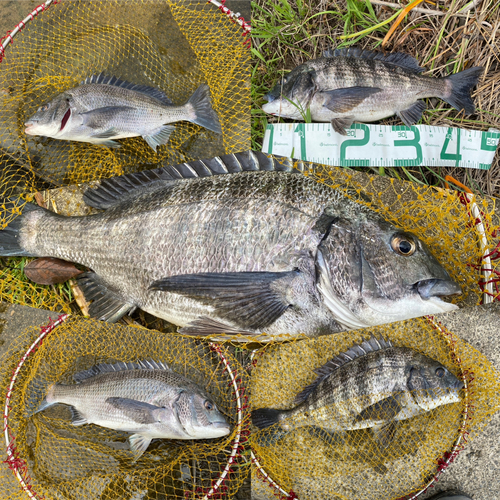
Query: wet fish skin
348, 85
145, 398
104, 108
373, 385
259, 251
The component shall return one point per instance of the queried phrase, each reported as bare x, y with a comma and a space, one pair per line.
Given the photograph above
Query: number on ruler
355, 142
451, 156
415, 142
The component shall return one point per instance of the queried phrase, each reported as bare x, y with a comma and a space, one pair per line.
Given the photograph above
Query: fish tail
459, 88
10, 243
265, 417
205, 114
49, 400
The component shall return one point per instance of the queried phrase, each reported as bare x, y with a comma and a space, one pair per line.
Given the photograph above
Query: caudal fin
461, 86
46, 402
205, 114
10, 244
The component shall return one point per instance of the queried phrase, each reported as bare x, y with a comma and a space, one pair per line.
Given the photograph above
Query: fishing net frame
442, 463
9, 37
20, 468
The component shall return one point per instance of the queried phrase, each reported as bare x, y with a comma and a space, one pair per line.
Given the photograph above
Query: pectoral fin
383, 410
251, 300
344, 100
99, 117
139, 412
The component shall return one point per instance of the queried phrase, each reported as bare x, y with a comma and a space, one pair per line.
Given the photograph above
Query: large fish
146, 398
372, 385
105, 108
257, 250
348, 85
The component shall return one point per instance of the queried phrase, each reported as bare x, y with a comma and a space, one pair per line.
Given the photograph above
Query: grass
452, 37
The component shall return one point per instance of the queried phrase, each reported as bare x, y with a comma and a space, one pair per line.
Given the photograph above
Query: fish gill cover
383, 448
59, 460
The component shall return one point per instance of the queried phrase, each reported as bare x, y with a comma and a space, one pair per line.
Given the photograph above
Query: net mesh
60, 461
175, 46
309, 463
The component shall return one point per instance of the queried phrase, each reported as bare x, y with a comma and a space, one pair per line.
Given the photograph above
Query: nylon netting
174, 46
308, 463
57, 460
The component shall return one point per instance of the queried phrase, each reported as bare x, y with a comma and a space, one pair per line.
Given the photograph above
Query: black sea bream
348, 85
105, 108
258, 250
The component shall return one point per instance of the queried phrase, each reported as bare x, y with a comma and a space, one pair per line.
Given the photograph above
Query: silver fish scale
144, 110
400, 87
155, 387
258, 221
342, 72
343, 395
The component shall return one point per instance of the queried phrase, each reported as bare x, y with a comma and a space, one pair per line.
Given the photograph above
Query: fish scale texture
173, 46
300, 456
92, 462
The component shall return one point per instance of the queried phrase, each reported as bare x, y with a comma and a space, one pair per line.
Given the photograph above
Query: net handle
9, 37
488, 293
236, 17
239, 426
15, 464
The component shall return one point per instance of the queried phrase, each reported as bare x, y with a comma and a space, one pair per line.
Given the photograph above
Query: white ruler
382, 145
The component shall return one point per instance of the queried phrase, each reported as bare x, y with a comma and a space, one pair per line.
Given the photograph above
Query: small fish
372, 385
105, 108
348, 85
261, 249
146, 398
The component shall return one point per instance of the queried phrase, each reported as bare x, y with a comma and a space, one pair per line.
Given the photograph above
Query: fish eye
440, 372
209, 405
45, 107
403, 245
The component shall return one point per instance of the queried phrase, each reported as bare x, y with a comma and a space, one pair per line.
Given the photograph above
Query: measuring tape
382, 145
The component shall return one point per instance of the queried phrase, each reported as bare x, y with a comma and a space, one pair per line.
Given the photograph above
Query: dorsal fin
397, 58
114, 190
146, 364
356, 351
103, 79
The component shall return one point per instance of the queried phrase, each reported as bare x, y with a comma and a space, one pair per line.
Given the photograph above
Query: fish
104, 108
145, 398
241, 245
348, 85
373, 385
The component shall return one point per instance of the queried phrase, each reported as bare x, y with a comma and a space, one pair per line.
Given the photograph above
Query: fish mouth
29, 126
221, 425
436, 288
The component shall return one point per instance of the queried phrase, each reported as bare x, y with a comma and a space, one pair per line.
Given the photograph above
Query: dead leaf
49, 271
